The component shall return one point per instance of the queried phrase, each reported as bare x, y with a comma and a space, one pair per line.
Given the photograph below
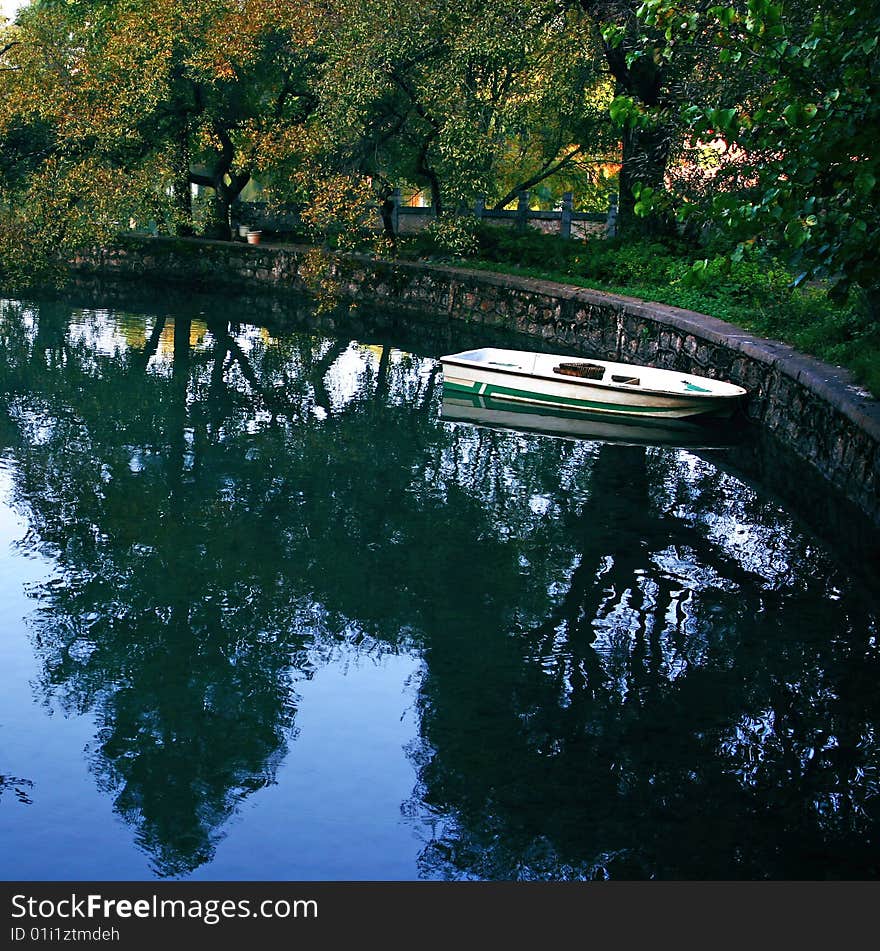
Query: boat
510, 416
587, 385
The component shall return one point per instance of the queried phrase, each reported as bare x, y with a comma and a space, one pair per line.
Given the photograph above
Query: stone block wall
814, 408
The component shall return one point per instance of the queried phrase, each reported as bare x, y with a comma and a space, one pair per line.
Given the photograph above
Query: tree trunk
224, 193
181, 187
386, 210
645, 151
436, 197
226, 184
645, 156
217, 223
433, 181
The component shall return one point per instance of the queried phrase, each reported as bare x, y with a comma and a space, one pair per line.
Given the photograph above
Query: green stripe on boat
490, 389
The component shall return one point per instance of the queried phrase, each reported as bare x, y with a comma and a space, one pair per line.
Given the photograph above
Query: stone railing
813, 407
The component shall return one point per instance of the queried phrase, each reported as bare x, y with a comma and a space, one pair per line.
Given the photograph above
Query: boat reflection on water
509, 415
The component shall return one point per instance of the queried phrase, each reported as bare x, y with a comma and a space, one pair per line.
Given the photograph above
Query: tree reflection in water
695, 705
634, 666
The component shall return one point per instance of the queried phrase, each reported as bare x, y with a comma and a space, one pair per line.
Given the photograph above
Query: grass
755, 293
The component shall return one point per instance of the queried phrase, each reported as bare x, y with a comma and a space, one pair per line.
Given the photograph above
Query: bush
442, 239
529, 248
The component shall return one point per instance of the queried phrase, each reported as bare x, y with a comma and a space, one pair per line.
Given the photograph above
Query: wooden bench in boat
592, 371
587, 371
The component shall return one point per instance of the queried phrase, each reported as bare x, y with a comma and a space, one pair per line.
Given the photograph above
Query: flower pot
254, 237
243, 231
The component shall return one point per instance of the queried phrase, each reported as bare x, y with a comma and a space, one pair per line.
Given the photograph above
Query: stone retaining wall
813, 407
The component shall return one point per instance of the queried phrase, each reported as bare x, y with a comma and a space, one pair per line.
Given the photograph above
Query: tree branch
546, 171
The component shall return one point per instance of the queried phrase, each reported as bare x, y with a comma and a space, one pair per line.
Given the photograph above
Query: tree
790, 116
806, 172
139, 101
133, 102
655, 77
461, 100
644, 84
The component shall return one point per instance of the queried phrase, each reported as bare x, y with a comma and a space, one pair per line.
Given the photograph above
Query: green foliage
456, 236
529, 248
463, 100
110, 111
800, 168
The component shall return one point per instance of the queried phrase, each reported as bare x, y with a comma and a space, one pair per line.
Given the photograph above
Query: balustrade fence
406, 219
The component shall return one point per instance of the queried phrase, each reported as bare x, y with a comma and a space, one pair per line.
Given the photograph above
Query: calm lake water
267, 612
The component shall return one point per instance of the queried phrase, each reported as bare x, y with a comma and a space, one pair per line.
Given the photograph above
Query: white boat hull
623, 390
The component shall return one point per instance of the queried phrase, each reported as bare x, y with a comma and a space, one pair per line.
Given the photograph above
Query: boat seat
589, 371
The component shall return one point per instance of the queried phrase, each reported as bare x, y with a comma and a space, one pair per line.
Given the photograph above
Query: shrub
454, 237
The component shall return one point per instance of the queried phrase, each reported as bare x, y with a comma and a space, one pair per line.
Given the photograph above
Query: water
267, 614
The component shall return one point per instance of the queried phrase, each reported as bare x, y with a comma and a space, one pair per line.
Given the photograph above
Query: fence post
565, 222
480, 207
611, 219
395, 211
522, 211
